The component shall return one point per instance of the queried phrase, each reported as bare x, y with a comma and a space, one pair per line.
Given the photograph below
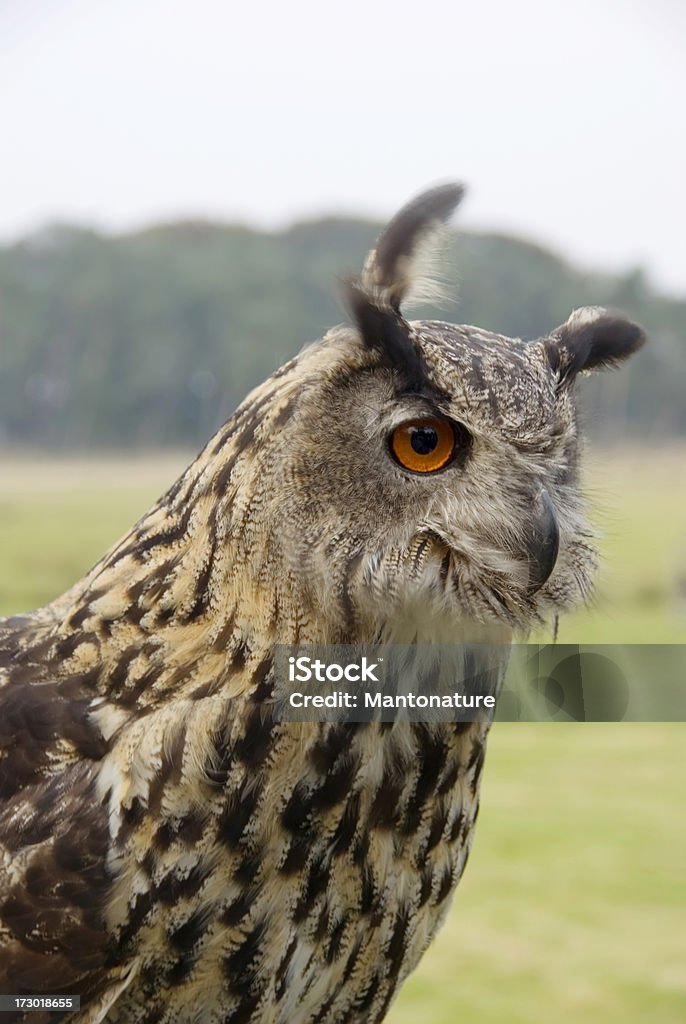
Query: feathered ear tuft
391, 274
393, 269
592, 339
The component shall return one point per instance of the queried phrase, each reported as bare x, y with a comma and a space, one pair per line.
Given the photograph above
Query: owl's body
168, 849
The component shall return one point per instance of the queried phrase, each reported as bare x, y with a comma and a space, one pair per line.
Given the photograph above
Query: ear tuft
392, 270
591, 339
391, 273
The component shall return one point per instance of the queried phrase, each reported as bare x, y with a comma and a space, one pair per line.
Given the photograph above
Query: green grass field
573, 906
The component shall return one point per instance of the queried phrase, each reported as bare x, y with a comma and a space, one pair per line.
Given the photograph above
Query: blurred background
182, 185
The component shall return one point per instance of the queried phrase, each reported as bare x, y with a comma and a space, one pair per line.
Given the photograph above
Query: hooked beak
542, 542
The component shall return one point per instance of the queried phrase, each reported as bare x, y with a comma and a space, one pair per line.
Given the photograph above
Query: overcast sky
566, 120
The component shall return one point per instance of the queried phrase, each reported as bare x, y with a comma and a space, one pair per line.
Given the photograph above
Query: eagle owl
169, 850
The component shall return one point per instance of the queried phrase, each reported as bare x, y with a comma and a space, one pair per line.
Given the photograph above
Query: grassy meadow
573, 906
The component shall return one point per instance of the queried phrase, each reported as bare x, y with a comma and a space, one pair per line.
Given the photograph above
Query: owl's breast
307, 884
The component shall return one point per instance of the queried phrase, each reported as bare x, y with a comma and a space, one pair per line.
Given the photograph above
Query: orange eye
425, 445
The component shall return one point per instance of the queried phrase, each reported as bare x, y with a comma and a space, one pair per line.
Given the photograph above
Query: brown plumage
170, 851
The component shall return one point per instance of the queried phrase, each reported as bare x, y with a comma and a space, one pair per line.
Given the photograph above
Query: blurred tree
152, 338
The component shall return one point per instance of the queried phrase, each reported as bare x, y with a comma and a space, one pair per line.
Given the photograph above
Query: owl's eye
424, 445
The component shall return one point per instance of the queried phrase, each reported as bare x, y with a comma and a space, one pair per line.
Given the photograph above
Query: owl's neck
192, 600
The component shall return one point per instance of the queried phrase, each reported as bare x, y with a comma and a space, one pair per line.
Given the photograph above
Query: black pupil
424, 440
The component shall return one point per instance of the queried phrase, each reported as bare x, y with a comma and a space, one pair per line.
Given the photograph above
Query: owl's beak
543, 542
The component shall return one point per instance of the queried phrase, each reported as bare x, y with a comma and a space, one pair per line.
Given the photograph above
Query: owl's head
407, 476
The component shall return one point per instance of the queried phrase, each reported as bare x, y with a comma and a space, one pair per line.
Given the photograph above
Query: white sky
565, 119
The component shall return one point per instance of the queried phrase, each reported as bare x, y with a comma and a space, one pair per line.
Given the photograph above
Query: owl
170, 850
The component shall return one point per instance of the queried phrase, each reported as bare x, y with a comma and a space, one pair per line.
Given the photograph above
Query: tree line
152, 338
